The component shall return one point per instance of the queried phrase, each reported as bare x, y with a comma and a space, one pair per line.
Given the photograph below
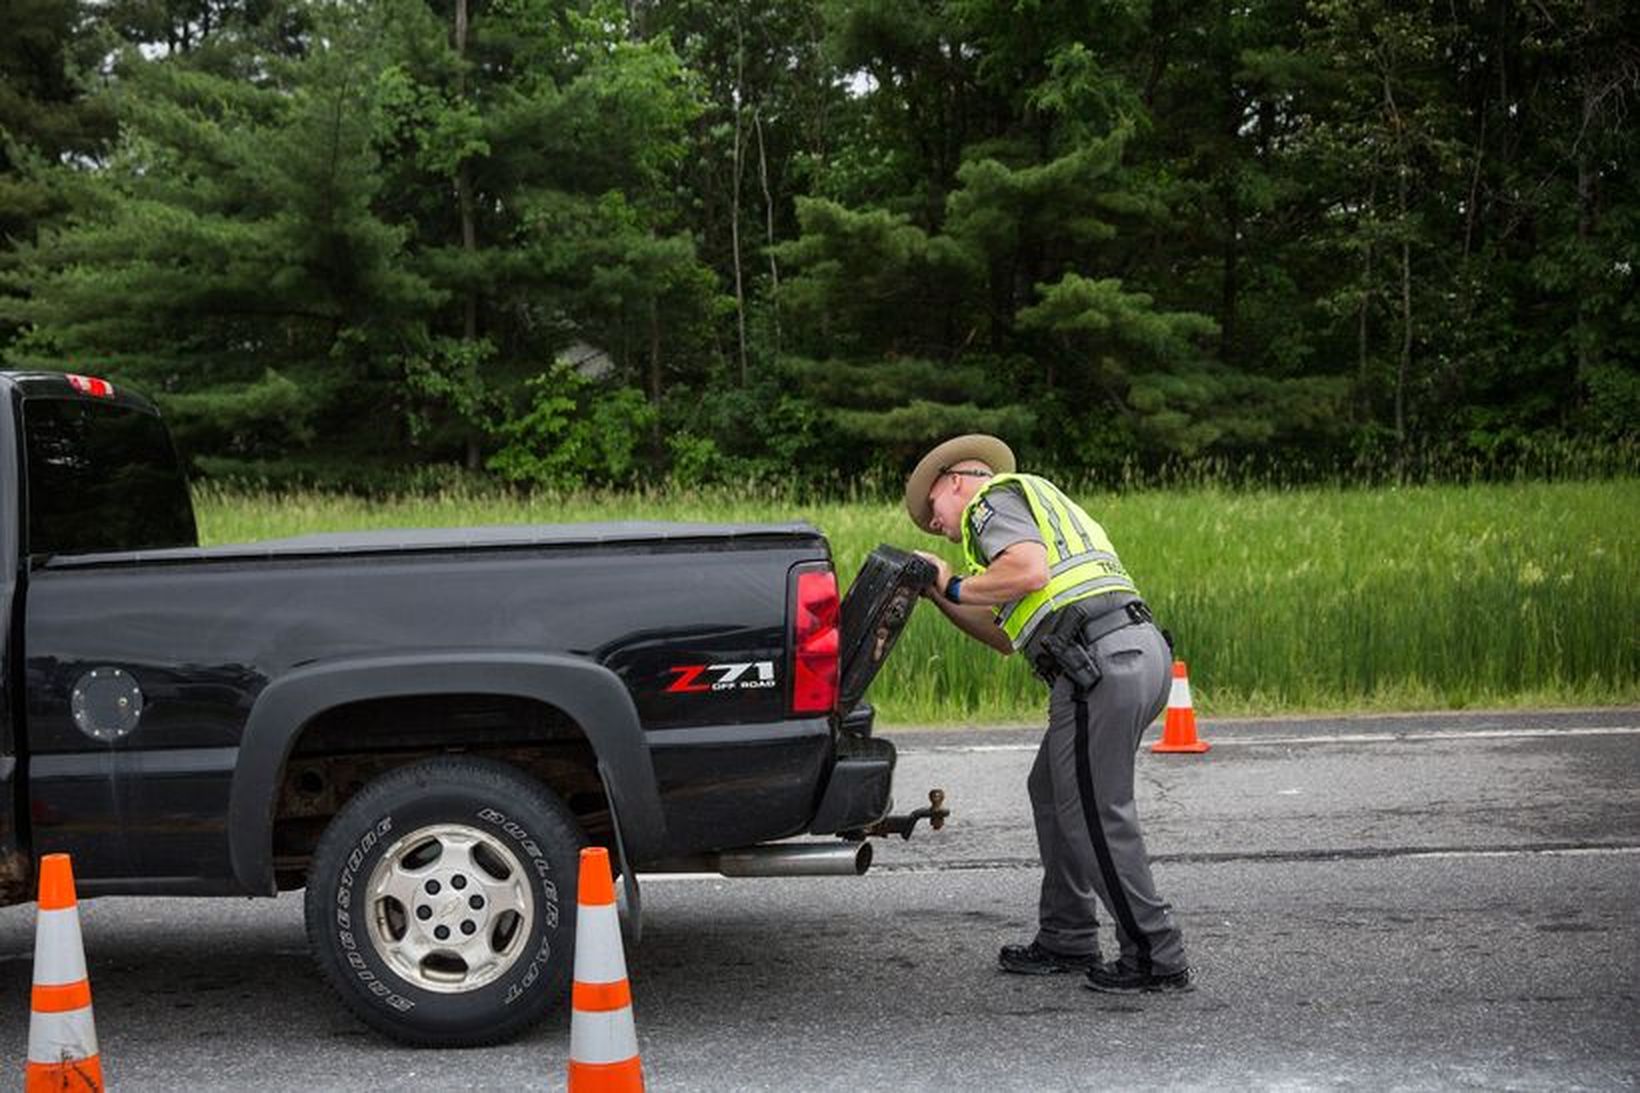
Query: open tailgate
875, 611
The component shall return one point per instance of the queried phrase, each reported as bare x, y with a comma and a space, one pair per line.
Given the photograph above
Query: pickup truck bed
209, 630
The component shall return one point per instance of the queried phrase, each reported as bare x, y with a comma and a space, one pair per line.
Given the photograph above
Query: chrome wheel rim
449, 908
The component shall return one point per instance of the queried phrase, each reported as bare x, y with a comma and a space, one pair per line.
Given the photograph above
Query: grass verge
1508, 595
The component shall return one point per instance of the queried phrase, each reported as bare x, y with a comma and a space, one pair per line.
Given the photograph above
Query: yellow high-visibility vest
1081, 561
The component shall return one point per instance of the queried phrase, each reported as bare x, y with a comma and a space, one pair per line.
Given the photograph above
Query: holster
1062, 655
1066, 648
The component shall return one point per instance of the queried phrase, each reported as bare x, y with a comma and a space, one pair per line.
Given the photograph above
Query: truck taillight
815, 641
91, 385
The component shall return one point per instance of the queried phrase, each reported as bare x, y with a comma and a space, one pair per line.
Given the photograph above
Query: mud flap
629, 875
15, 873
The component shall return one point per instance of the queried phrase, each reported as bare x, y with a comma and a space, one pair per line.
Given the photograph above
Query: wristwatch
953, 589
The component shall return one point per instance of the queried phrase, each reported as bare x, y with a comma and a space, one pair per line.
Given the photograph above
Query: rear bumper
860, 790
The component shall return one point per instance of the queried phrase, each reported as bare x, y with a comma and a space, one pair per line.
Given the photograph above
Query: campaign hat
959, 449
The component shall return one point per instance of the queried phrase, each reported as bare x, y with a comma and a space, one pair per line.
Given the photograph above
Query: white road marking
1527, 852
1343, 857
1331, 738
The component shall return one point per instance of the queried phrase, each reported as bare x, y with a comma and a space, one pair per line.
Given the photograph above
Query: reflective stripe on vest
1081, 560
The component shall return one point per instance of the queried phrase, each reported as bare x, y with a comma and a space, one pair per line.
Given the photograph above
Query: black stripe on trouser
1119, 905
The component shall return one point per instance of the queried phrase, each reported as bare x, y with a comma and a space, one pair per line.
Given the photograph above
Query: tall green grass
1282, 601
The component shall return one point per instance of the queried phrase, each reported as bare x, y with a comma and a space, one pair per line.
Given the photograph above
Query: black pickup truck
422, 727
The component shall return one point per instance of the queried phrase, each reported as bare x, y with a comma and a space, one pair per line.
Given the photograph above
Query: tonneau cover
424, 540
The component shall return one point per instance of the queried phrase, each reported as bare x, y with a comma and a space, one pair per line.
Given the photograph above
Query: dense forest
576, 242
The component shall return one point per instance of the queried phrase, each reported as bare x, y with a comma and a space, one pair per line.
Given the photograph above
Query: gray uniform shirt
1001, 519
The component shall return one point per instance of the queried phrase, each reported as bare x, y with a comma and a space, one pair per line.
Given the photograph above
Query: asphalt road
1444, 902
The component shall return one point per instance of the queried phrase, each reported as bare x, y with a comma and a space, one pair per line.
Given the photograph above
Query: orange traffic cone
1179, 730
62, 1039
603, 1040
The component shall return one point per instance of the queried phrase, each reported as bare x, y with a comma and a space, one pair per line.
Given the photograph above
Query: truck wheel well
343, 749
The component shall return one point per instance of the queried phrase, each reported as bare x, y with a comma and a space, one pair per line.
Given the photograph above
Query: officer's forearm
977, 622
1015, 574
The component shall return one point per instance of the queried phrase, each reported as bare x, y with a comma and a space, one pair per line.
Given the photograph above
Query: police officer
1044, 580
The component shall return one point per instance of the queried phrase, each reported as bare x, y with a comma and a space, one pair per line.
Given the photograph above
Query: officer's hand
942, 573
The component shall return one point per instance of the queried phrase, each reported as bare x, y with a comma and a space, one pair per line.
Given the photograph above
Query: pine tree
396, 217
49, 113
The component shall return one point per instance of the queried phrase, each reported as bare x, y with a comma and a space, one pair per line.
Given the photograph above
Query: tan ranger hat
987, 449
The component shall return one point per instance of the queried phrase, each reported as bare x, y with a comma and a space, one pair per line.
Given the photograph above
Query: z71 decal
699, 678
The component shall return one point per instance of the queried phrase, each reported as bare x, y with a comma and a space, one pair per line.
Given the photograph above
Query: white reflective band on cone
602, 1038
1180, 696
59, 956
598, 955
61, 1037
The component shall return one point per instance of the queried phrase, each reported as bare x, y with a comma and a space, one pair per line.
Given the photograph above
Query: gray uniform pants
1082, 797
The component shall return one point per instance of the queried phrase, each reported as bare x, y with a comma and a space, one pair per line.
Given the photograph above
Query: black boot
1118, 977
1033, 959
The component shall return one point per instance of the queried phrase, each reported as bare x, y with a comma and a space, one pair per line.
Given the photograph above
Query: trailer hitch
903, 826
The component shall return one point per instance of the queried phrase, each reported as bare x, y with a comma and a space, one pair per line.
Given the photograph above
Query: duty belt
1077, 623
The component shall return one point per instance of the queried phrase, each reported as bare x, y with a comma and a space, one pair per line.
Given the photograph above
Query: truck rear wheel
441, 902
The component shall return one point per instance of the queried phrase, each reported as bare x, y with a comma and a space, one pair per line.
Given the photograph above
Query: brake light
816, 642
91, 385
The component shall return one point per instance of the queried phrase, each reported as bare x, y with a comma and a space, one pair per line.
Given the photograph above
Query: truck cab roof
38, 384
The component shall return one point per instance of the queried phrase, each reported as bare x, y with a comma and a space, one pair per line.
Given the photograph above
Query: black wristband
953, 588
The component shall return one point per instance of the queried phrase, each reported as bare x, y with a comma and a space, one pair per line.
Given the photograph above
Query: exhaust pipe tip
840, 859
